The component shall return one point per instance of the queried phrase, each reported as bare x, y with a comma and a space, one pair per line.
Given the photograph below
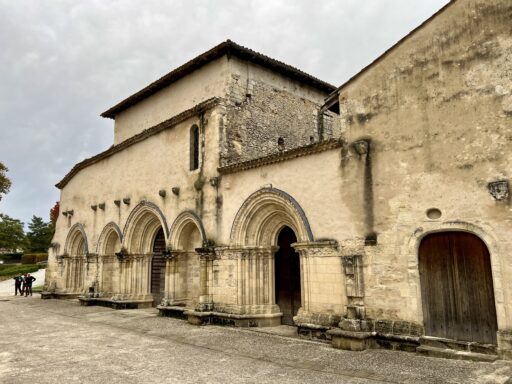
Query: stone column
122, 274
321, 271
170, 277
206, 257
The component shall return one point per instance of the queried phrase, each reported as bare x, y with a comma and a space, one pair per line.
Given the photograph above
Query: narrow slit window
194, 147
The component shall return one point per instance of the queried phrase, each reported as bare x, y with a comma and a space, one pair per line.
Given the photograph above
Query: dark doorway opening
158, 268
457, 288
287, 276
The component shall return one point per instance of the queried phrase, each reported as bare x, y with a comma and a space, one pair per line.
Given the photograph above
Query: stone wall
436, 114
200, 85
267, 114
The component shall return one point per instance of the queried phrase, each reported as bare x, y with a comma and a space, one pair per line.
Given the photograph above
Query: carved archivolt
264, 214
141, 227
110, 240
182, 227
76, 241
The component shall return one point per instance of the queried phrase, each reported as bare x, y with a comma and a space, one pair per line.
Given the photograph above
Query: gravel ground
54, 341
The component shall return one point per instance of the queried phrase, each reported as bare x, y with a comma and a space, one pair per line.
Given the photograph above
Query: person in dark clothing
23, 286
28, 284
18, 280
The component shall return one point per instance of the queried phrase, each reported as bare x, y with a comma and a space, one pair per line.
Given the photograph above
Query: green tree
12, 236
39, 235
5, 183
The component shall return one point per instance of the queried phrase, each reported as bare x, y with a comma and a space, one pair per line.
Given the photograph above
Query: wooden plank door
287, 276
457, 288
158, 268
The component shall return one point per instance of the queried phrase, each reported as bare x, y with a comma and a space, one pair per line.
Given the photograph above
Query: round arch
185, 220
76, 241
411, 250
263, 214
107, 242
141, 227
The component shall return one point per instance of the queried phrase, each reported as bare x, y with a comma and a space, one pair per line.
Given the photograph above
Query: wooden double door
457, 287
158, 268
287, 276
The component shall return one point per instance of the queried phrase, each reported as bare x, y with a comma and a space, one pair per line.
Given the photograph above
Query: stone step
457, 345
455, 354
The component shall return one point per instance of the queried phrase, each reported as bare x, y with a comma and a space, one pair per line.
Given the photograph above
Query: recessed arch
181, 226
76, 241
262, 216
110, 239
142, 226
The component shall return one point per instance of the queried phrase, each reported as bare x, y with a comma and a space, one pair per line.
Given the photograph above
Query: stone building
242, 191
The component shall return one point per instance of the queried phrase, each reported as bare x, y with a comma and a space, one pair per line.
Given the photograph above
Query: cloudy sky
64, 62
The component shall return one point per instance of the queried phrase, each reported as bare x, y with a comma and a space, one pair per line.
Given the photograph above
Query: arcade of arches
274, 273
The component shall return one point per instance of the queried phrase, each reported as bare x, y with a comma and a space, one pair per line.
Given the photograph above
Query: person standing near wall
18, 280
28, 284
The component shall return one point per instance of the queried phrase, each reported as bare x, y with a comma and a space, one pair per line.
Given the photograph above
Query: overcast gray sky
63, 62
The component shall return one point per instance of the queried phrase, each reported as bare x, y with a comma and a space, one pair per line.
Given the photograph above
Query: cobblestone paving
57, 341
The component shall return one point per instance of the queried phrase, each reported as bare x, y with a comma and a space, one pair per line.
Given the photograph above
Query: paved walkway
7, 286
58, 341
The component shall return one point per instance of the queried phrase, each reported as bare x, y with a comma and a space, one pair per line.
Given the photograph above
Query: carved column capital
323, 248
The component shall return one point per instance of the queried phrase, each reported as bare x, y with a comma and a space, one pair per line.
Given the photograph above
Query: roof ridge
226, 47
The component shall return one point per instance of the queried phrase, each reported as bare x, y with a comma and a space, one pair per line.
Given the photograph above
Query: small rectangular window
194, 147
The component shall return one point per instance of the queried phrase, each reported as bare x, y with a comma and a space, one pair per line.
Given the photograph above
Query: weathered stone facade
294, 210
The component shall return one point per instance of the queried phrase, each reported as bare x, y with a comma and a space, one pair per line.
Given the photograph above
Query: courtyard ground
57, 341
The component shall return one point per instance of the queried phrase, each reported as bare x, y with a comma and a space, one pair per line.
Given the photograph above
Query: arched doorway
457, 287
76, 248
158, 268
287, 276
109, 244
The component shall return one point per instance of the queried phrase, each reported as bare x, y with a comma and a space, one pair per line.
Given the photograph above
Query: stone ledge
59, 296
458, 345
115, 304
454, 354
350, 334
230, 319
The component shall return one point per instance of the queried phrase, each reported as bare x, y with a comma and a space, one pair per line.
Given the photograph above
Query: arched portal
144, 239
457, 287
76, 250
109, 243
263, 214
187, 234
287, 276
158, 268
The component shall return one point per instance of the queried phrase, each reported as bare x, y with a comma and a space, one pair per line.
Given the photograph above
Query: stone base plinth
351, 341
315, 333
59, 295
234, 320
505, 344
115, 304
174, 311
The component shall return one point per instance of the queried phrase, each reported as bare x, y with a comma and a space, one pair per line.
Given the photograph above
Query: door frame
410, 252
449, 257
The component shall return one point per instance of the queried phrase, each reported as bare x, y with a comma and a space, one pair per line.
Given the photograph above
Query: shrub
33, 258
11, 258
13, 270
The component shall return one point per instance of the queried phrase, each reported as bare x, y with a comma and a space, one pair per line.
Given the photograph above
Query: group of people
23, 284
